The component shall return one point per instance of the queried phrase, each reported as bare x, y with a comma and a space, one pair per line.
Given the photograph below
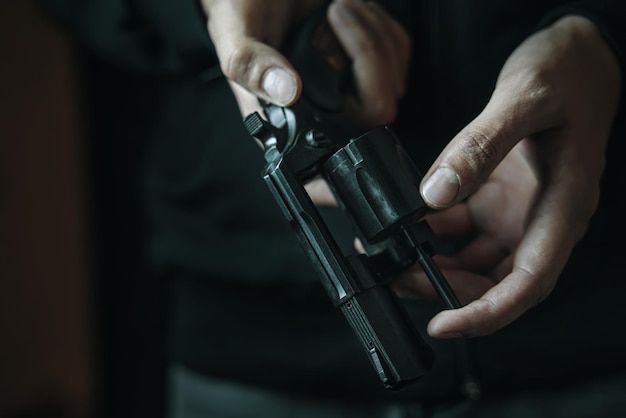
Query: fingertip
480, 317
280, 85
441, 188
262, 70
442, 326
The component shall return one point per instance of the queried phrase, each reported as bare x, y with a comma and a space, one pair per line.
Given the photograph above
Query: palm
490, 223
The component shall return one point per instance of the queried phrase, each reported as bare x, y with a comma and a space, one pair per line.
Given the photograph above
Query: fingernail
442, 187
279, 85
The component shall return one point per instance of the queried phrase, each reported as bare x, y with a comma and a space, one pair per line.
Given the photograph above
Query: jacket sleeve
152, 36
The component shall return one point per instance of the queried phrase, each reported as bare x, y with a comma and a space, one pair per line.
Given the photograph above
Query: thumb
517, 110
249, 62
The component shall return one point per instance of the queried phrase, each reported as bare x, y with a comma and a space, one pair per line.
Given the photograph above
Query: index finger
536, 266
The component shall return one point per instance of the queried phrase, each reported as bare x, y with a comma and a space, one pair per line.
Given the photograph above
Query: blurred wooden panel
45, 331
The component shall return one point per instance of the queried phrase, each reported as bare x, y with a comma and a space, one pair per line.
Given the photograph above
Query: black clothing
246, 304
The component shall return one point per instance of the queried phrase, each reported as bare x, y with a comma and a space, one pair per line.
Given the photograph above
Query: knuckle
484, 308
239, 66
480, 149
540, 290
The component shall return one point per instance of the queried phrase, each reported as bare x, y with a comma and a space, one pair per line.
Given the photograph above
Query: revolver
374, 181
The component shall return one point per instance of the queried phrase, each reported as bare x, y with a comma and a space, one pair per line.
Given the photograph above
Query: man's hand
248, 34
554, 102
490, 225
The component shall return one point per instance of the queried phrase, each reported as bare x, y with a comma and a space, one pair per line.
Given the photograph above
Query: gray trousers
192, 395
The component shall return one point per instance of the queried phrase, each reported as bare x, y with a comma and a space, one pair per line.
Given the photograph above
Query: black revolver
374, 181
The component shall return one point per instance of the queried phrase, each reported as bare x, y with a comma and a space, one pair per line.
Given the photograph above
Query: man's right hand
248, 35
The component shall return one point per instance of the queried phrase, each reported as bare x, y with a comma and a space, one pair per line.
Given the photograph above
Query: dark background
80, 322
46, 314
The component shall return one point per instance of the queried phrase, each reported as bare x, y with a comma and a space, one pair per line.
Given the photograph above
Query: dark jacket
245, 304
